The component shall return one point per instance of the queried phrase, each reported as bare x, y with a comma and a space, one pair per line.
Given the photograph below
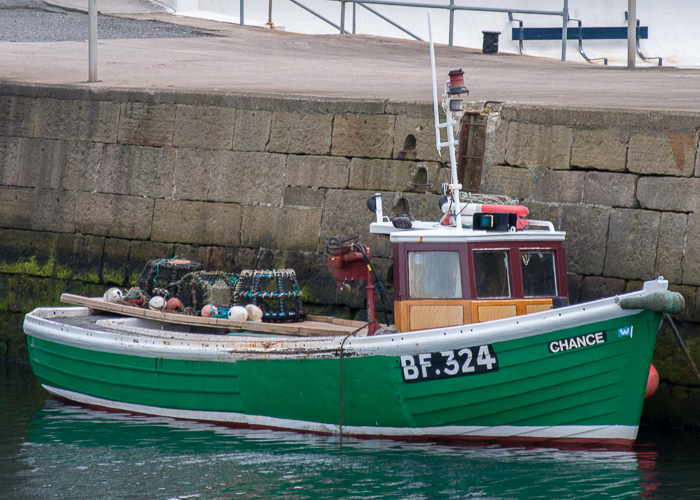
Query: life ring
519, 210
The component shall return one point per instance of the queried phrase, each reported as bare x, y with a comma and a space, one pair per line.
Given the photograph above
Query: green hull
540, 387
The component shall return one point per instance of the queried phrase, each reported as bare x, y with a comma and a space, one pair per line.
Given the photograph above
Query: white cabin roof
433, 232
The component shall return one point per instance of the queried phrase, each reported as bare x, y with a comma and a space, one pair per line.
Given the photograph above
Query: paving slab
111, 7
238, 59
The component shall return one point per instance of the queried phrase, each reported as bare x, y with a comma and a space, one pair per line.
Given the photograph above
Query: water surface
50, 449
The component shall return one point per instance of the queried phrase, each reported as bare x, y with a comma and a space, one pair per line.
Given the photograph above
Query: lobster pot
275, 292
195, 290
159, 273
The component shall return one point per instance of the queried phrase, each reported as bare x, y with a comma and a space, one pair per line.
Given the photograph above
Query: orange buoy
652, 382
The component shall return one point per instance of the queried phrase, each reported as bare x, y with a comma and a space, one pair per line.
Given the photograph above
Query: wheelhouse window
434, 275
491, 274
539, 273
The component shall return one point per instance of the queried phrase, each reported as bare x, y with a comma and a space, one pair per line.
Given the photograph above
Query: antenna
454, 185
435, 95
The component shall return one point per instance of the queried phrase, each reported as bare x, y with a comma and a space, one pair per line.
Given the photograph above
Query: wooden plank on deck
307, 328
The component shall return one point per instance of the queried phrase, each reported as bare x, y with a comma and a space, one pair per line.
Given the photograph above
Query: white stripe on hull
525, 433
45, 324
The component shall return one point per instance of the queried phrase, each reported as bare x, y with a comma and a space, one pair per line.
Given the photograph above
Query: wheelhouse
446, 277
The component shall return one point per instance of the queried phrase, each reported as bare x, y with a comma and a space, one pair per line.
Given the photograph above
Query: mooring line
342, 344
670, 322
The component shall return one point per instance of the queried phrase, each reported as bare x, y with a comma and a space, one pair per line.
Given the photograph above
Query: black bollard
490, 42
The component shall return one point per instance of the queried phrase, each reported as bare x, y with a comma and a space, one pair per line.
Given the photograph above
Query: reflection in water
669, 463
74, 452
66, 451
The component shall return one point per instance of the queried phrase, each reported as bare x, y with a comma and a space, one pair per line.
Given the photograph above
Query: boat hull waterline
571, 375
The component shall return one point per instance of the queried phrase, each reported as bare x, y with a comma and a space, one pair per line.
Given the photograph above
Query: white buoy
113, 295
238, 313
156, 303
254, 312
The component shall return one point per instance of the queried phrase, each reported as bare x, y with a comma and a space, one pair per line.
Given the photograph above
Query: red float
209, 310
652, 382
136, 298
174, 304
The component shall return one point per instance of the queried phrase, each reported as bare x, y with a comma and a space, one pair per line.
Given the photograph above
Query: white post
564, 29
631, 33
455, 186
342, 17
452, 22
379, 209
92, 40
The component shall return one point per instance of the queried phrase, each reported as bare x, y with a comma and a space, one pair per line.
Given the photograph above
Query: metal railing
632, 41
564, 13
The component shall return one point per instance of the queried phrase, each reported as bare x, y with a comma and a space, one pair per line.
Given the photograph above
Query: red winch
349, 260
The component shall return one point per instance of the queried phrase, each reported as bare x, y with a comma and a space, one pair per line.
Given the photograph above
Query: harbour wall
95, 183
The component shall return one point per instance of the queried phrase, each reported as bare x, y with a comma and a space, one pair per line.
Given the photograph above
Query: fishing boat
484, 345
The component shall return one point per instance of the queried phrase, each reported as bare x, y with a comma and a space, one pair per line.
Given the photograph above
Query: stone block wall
625, 185
95, 184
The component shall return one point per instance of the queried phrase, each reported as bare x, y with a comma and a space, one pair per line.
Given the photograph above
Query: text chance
577, 342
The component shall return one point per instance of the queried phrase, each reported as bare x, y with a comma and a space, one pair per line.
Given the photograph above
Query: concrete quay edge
246, 61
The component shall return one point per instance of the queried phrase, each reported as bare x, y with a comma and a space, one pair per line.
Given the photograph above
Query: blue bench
580, 33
